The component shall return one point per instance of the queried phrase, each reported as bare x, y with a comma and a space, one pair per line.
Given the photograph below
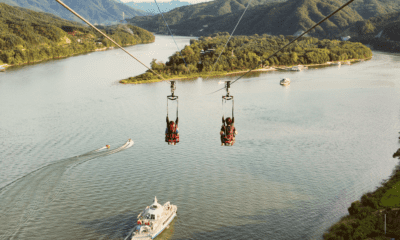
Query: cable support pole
316, 25
165, 21
237, 24
76, 14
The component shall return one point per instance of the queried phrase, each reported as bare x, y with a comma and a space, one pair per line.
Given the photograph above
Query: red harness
229, 134
172, 136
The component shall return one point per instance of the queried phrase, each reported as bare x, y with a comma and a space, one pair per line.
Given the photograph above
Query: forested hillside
27, 36
245, 52
95, 11
196, 12
373, 8
273, 17
382, 32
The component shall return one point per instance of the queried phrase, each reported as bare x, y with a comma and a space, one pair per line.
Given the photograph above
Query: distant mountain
151, 7
374, 8
95, 11
272, 17
196, 11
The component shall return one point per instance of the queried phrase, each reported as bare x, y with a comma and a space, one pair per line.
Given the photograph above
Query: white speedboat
153, 220
285, 82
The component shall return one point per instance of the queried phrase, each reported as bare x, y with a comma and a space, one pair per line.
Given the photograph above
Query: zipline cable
230, 35
165, 21
330, 15
76, 14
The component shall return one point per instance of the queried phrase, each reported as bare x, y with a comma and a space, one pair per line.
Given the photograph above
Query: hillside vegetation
366, 217
196, 12
27, 36
382, 32
272, 17
95, 11
245, 52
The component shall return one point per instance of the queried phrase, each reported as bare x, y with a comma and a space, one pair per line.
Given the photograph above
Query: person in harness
172, 132
228, 131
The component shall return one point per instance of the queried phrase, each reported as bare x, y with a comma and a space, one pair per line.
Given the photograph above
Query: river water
302, 155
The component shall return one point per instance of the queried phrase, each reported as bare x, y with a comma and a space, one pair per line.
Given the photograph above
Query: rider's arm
233, 120
176, 121
167, 120
223, 120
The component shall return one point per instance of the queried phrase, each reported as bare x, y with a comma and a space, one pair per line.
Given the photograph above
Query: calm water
302, 155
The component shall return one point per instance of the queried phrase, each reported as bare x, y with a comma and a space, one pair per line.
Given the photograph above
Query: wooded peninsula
242, 53
27, 36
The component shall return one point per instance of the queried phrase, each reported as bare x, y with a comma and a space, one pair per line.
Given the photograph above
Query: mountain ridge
273, 17
95, 11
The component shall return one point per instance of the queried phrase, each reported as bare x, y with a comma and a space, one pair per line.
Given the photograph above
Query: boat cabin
154, 211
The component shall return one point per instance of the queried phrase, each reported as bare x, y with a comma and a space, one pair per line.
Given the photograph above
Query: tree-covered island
246, 52
27, 36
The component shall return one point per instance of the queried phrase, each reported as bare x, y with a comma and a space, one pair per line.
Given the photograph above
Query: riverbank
137, 80
134, 80
366, 219
5, 66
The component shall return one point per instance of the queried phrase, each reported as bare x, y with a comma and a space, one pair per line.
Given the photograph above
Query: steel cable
76, 14
165, 21
272, 55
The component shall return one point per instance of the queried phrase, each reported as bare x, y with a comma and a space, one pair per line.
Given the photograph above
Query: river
302, 155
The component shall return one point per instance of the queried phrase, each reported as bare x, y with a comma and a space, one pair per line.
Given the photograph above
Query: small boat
297, 68
153, 220
337, 63
285, 82
2, 69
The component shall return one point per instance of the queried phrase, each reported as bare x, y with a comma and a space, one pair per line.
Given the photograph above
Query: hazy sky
190, 1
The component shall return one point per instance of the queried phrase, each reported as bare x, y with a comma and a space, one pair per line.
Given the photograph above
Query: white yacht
285, 82
153, 220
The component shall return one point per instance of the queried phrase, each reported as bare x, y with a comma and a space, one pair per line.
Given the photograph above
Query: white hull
162, 223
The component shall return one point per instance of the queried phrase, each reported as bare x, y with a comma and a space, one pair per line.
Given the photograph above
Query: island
246, 52
28, 37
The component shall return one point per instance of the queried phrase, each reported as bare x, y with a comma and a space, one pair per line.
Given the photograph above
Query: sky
190, 1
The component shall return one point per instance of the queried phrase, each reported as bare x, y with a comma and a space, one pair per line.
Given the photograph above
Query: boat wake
22, 199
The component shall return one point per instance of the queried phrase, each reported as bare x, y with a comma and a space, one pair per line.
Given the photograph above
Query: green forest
27, 36
382, 32
247, 52
366, 217
272, 17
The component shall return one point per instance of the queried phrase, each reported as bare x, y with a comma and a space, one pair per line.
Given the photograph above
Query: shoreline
222, 74
4, 66
366, 217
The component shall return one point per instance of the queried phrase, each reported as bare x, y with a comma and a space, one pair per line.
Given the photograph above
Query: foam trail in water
21, 199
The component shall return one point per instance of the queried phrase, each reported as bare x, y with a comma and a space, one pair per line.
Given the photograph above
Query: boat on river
285, 82
297, 68
153, 220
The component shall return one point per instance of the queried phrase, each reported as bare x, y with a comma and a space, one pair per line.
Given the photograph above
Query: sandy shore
274, 68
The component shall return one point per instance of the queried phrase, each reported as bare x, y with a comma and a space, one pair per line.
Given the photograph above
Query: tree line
27, 36
246, 52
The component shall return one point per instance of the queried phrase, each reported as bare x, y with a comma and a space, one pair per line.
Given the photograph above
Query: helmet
228, 120
171, 123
